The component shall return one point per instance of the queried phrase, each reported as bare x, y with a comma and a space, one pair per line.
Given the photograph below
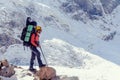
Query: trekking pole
43, 56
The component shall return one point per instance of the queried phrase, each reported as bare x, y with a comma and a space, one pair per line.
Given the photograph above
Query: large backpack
26, 35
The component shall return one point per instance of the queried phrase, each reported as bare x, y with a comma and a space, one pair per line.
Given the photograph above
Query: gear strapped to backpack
26, 35
27, 32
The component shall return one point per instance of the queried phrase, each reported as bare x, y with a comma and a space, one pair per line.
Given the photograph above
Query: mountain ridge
81, 34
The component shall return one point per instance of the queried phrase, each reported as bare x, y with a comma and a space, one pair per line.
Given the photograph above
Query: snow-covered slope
67, 60
89, 47
55, 23
97, 73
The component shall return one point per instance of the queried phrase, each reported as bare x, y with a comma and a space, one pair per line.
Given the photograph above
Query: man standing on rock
35, 51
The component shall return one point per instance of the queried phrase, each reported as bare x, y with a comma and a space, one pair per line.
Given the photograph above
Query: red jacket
35, 39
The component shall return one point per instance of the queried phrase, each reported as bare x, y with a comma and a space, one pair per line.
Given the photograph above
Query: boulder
6, 70
46, 73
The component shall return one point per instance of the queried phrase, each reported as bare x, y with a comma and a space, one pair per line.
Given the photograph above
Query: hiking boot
32, 69
43, 65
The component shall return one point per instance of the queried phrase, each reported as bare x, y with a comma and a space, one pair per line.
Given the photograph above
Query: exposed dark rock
110, 36
6, 40
109, 5
92, 8
70, 8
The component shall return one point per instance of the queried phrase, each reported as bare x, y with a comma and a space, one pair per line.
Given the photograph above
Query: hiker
35, 52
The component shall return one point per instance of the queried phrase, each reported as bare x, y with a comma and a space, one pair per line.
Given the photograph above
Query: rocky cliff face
90, 8
109, 5
13, 14
6, 40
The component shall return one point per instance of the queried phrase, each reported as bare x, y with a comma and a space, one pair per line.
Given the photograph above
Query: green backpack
26, 35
